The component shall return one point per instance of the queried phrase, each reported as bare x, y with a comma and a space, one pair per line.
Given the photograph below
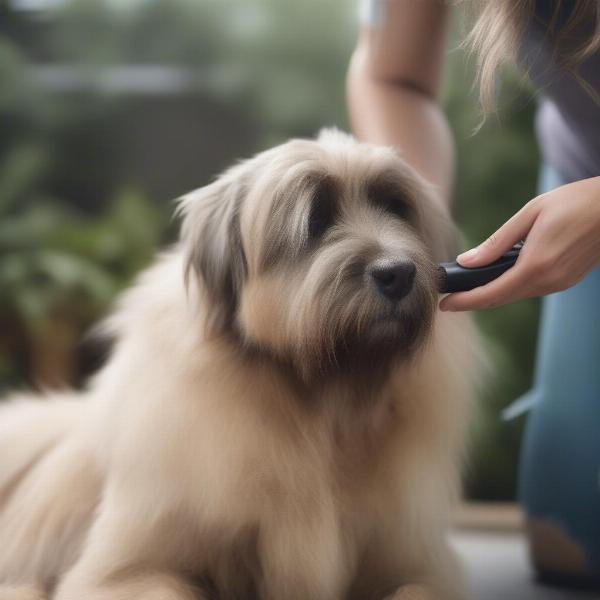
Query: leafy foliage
52, 260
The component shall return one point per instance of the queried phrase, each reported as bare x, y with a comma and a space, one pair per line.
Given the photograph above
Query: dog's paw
22, 592
412, 592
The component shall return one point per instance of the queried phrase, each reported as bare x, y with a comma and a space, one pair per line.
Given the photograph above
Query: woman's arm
394, 81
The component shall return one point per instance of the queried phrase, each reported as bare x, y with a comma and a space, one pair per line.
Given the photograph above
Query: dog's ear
211, 242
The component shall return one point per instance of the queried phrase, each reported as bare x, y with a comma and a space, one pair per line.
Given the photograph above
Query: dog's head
321, 253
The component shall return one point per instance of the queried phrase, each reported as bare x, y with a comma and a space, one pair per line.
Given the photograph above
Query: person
393, 89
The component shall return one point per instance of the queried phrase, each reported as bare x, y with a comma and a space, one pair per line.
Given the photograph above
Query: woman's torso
568, 119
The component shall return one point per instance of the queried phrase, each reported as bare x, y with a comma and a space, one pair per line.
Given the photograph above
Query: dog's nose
394, 280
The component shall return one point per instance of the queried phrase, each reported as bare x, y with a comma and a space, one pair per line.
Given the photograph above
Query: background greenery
109, 110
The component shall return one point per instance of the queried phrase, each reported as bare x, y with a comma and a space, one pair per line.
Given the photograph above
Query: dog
282, 414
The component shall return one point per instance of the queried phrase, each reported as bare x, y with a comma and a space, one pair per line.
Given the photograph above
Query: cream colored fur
204, 462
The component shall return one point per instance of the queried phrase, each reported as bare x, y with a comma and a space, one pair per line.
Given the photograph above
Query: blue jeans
560, 460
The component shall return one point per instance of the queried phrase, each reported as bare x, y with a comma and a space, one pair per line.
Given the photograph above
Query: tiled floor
498, 569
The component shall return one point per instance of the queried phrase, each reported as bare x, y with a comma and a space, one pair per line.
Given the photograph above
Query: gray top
568, 118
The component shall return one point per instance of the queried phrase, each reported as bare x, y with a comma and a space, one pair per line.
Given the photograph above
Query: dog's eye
322, 214
391, 198
396, 206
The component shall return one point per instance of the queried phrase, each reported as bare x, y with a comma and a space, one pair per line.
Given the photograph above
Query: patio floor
494, 551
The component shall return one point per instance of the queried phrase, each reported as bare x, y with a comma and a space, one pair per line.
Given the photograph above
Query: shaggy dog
282, 414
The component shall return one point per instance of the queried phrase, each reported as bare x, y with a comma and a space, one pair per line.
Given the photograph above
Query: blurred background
111, 109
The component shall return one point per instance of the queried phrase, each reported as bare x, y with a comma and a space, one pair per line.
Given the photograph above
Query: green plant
59, 271
53, 261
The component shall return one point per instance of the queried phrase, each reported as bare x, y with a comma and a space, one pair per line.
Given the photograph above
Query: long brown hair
499, 26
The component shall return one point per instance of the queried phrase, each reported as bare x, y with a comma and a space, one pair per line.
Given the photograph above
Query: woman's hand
562, 231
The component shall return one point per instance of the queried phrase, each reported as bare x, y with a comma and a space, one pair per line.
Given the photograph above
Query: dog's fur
269, 425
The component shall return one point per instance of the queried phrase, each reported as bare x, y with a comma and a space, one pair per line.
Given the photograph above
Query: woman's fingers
515, 229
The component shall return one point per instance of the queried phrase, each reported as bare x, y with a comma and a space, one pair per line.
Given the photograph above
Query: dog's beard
342, 327
388, 334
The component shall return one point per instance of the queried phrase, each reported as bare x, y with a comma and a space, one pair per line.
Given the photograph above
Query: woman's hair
499, 25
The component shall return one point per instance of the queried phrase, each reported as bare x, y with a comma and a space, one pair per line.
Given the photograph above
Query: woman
393, 88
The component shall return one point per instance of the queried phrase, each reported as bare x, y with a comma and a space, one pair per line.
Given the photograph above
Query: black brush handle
455, 278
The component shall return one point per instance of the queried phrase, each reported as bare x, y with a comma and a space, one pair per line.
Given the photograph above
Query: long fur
268, 425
